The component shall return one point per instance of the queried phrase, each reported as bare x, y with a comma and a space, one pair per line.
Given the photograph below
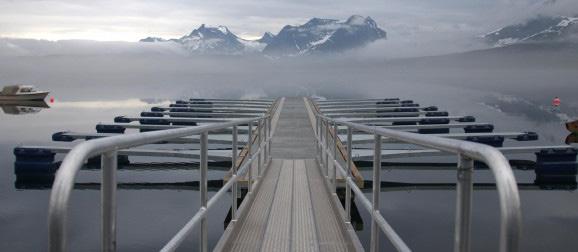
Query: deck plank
252, 227
277, 234
304, 229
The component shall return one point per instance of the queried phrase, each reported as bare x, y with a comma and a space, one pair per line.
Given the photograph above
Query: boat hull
572, 126
40, 96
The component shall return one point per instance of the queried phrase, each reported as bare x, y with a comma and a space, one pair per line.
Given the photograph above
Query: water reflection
572, 138
532, 111
22, 107
112, 104
42, 180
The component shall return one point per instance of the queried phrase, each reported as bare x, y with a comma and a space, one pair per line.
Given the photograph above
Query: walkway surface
292, 210
294, 136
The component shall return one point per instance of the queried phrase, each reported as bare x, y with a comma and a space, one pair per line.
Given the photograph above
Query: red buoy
51, 99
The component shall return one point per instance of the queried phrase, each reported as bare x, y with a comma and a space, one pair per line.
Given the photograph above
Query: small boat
572, 126
22, 93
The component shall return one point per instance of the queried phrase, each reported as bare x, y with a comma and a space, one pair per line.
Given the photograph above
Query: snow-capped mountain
213, 40
316, 36
325, 35
539, 29
266, 38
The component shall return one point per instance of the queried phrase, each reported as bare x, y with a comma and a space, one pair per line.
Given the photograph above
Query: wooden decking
292, 209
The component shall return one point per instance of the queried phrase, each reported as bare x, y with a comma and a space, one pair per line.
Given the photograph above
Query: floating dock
293, 168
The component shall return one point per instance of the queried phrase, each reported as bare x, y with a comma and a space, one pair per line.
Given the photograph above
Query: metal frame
510, 227
218, 109
108, 149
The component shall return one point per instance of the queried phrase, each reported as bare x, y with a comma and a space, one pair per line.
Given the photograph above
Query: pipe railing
108, 149
510, 226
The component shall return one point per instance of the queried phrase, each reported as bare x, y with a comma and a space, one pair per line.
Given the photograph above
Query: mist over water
536, 74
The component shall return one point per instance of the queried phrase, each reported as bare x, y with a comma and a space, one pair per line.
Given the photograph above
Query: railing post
259, 137
320, 134
108, 200
463, 204
317, 138
376, 190
326, 152
347, 186
249, 154
266, 142
334, 174
203, 244
324, 148
234, 168
270, 136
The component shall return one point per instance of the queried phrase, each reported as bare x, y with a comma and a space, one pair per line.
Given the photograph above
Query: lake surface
151, 211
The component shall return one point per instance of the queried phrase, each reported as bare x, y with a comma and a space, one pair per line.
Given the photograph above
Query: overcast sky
131, 20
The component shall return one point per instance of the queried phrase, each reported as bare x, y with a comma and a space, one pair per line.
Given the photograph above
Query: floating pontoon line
210, 110
397, 186
200, 101
425, 166
374, 109
216, 155
364, 102
343, 129
218, 106
409, 119
212, 186
240, 129
234, 100
520, 136
71, 136
388, 113
355, 100
211, 115
225, 104
176, 119
369, 105
367, 155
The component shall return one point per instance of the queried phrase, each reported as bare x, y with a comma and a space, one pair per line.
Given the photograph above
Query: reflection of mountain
22, 107
539, 29
316, 36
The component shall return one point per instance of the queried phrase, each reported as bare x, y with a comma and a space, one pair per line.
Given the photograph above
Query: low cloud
34, 47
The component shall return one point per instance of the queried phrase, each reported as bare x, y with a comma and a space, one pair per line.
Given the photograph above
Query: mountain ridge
539, 29
318, 35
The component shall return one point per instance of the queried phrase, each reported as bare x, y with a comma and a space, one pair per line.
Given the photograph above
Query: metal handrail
108, 148
467, 151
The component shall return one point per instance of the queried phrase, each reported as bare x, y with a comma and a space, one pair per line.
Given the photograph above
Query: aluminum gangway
292, 209
296, 155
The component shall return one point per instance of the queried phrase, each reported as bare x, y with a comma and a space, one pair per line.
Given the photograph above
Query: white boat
22, 93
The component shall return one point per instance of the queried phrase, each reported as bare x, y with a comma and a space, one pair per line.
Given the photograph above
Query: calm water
149, 215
